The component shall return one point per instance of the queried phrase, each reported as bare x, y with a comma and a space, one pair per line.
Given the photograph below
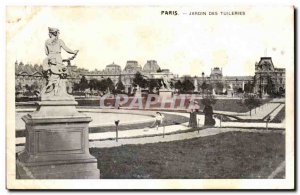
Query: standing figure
54, 70
159, 119
208, 112
193, 114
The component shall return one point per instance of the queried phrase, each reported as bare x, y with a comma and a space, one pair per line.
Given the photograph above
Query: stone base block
165, 93
57, 145
67, 170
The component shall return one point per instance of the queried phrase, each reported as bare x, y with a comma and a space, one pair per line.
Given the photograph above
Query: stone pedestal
138, 94
57, 145
165, 93
230, 93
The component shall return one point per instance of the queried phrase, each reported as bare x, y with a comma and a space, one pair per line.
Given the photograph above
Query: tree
219, 87
35, 86
120, 86
20, 67
28, 87
281, 92
31, 89
251, 102
254, 81
18, 87
208, 100
240, 90
93, 84
248, 88
203, 87
110, 84
187, 85
38, 68
83, 84
76, 87
103, 85
139, 80
153, 84
178, 86
209, 87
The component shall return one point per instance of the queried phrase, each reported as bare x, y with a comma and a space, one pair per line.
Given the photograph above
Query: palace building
265, 72
216, 76
151, 70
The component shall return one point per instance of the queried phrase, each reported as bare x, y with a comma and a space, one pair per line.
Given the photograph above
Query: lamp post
203, 83
198, 124
117, 124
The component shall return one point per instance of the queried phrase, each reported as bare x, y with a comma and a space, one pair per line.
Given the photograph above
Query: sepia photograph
150, 97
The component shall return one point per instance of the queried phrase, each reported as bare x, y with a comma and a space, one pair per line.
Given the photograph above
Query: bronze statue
54, 70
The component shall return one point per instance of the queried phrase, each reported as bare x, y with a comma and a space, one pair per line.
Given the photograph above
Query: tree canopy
208, 100
120, 86
251, 102
139, 80
187, 86
153, 84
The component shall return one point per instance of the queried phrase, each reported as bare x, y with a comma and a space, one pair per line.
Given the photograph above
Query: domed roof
113, 65
151, 66
113, 68
216, 70
266, 63
132, 65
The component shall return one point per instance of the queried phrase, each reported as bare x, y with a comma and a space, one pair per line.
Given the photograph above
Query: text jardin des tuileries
202, 13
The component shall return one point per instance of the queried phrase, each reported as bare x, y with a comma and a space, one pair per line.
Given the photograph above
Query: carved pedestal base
57, 144
230, 93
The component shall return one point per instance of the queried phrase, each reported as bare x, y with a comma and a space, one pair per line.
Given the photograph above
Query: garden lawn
280, 116
232, 105
229, 105
226, 155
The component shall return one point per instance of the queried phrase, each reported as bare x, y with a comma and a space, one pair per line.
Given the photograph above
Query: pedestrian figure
159, 119
193, 114
208, 112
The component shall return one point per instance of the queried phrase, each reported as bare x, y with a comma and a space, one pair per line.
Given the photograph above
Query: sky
185, 44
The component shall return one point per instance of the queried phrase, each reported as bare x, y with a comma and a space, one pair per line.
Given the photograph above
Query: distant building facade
151, 70
216, 76
265, 71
